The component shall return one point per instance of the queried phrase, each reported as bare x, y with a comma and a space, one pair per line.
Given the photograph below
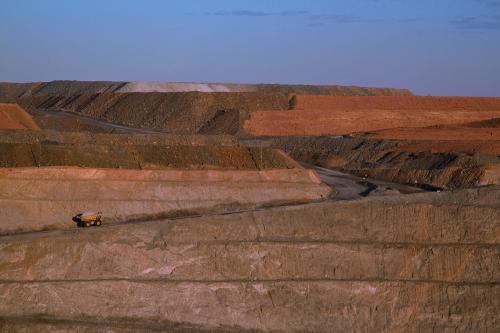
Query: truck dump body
88, 219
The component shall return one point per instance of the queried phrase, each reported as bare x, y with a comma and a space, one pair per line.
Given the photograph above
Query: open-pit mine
247, 208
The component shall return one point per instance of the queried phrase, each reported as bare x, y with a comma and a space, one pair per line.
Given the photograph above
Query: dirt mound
330, 115
14, 117
400, 103
263, 88
173, 112
335, 90
341, 122
68, 88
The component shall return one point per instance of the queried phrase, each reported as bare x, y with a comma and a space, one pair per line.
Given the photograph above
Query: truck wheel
87, 224
98, 223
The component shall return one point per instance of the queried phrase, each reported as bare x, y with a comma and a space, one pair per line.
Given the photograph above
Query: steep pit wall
413, 263
188, 157
459, 166
47, 198
136, 139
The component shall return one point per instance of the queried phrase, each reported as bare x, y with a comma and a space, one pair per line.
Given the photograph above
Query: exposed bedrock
141, 156
413, 263
39, 198
396, 161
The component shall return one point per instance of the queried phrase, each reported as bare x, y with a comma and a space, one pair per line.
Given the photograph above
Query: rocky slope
173, 112
406, 162
48, 177
413, 263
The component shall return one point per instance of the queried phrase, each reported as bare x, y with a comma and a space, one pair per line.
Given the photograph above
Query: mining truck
88, 219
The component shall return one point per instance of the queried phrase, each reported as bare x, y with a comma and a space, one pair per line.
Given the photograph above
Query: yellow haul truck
88, 219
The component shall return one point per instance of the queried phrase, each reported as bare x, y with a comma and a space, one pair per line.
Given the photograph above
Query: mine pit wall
385, 160
47, 198
189, 157
76, 138
419, 263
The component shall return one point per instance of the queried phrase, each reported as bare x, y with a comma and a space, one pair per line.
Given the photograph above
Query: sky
432, 47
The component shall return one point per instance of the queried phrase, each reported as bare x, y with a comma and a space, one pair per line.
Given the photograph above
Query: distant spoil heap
70, 88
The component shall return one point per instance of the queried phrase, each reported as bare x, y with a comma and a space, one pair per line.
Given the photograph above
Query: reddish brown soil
14, 117
414, 103
340, 122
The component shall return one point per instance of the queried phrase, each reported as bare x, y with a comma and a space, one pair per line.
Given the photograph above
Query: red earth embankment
312, 102
12, 116
347, 121
340, 115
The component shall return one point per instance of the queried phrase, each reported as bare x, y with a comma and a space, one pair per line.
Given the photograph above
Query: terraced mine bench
45, 183
415, 263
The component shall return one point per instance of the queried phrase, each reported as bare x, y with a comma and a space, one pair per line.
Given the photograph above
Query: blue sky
436, 47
